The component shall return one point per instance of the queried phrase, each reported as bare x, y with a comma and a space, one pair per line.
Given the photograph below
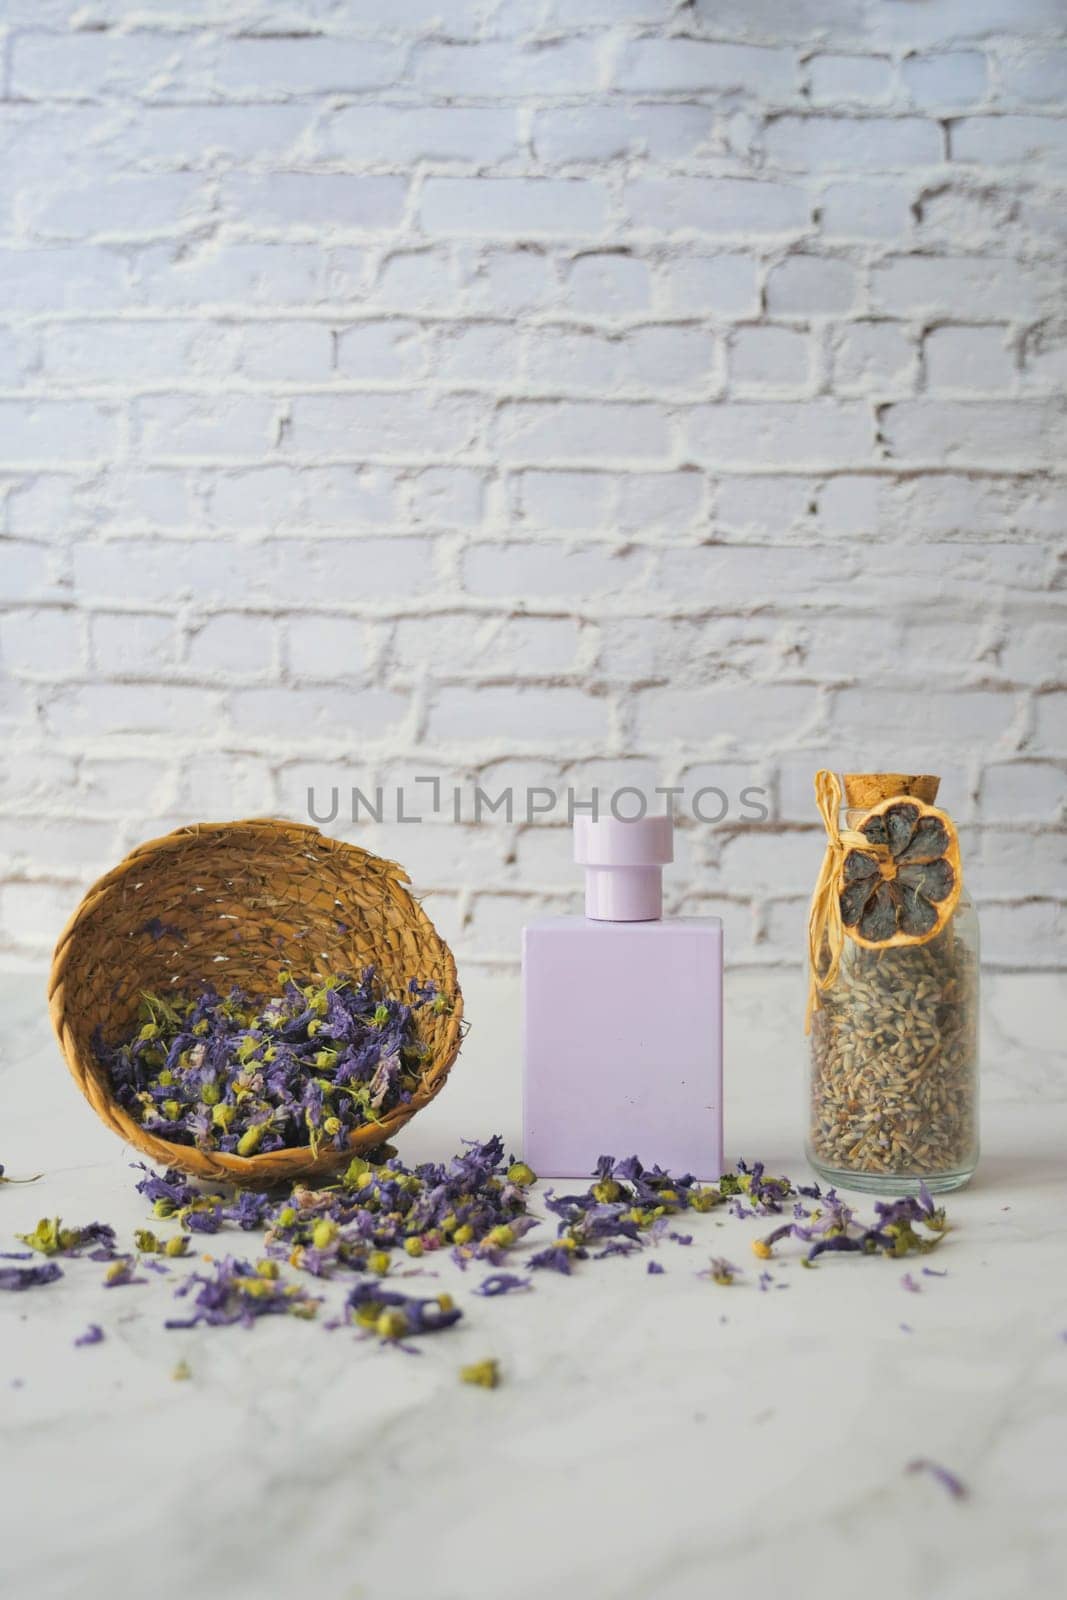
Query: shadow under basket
236, 903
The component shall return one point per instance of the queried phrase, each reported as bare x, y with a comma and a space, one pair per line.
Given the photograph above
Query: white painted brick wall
544, 392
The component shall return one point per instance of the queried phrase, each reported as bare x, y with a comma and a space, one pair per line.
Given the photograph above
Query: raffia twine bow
826, 931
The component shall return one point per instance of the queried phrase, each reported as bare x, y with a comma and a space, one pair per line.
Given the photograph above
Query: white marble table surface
655, 1438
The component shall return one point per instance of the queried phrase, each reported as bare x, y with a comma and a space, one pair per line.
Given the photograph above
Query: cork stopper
866, 789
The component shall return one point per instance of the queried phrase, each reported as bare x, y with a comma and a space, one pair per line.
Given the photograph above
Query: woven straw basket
236, 902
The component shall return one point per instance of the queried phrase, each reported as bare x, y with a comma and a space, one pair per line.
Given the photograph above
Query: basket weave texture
235, 903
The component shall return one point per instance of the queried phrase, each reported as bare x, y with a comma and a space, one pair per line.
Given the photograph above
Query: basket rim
293, 1161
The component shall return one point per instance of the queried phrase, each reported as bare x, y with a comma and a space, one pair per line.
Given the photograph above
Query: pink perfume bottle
622, 1017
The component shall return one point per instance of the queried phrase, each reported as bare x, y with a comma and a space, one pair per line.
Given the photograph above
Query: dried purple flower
557, 1257
501, 1283
948, 1480
654, 1269
16, 1278
908, 1282
394, 1316
251, 1074
236, 1292
94, 1334
51, 1238
720, 1271
121, 1273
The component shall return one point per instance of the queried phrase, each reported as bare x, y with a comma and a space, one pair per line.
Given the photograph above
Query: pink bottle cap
623, 866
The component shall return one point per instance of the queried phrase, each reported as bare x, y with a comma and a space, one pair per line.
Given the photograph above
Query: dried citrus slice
903, 888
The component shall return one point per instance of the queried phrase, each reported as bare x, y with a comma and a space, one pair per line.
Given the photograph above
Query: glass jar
894, 1032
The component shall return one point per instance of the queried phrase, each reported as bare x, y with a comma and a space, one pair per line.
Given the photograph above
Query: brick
874, 144
670, 501
1050, 724
969, 19
769, 358
837, 19
327, 649
874, 358
133, 207
951, 215
371, 568
810, 286
239, 787
450, 497
116, 709
222, 427
599, 133
662, 359
979, 432
396, 348
1045, 362
971, 286
954, 78
46, 501
47, 643
679, 66
1024, 791
116, 352
489, 647
283, 496
715, 206
201, 136
36, 912
1009, 140
865, 210
684, 652
413, 422
86, 66
233, 645
110, 787
564, 500
519, 715
400, 136
506, 283
70, 846
24, 570
311, 199
765, 507
265, 69
572, 430
1023, 936
1036, 77
720, 286
485, 69
948, 718
416, 280
968, 359
732, 577
477, 352
1033, 654
607, 284
231, 275
333, 714
133, 644
85, 278
838, 433
41, 430
839, 79
547, 570
745, 715
519, 207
